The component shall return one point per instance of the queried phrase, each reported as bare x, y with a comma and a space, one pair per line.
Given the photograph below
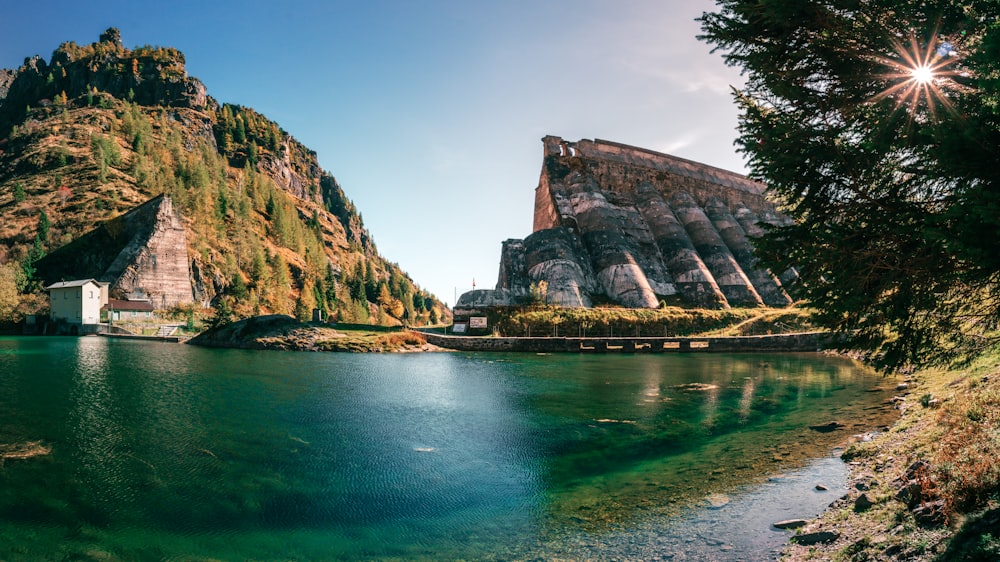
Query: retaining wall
808, 341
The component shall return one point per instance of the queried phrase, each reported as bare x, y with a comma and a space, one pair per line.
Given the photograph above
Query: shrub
969, 447
405, 338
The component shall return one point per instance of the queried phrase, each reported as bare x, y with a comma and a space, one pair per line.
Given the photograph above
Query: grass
362, 340
663, 322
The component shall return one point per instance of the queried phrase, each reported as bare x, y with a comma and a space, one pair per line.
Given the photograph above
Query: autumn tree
876, 125
10, 281
306, 302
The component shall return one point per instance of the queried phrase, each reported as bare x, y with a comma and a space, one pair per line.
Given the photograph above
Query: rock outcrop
147, 75
621, 224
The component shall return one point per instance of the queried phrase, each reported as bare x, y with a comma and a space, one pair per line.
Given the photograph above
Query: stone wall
636, 227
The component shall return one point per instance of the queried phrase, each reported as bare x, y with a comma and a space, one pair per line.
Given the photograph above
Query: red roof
116, 304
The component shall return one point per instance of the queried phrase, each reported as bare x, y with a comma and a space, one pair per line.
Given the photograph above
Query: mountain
105, 150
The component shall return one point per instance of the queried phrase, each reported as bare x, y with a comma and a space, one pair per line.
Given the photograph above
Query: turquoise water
168, 452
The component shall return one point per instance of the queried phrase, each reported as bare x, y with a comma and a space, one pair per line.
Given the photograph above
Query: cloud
658, 44
678, 144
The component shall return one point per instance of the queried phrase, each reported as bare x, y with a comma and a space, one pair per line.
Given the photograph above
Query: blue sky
430, 112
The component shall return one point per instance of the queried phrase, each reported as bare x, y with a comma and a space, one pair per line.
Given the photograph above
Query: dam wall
638, 228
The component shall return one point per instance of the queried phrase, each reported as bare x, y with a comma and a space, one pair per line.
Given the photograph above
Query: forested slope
100, 129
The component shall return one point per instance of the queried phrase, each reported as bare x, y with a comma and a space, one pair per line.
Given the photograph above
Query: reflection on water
96, 432
162, 451
746, 400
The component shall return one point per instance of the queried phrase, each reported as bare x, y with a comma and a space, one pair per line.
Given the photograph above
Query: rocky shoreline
900, 502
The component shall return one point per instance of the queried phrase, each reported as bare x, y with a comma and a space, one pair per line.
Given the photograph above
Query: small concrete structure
77, 302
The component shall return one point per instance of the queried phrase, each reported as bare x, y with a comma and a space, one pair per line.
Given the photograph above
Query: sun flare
922, 74
917, 75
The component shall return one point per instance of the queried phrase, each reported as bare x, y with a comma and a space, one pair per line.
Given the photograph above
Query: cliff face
620, 224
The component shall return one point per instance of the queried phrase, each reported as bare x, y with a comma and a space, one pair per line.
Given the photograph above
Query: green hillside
101, 129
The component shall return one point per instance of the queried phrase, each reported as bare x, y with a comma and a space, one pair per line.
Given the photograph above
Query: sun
918, 75
922, 74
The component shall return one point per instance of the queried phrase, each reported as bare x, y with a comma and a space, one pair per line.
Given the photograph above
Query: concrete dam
629, 226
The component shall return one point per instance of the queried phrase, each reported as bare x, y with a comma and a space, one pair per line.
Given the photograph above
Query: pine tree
238, 287
371, 283
223, 315
330, 284
259, 273
384, 297
281, 279
43, 226
240, 133
891, 173
221, 206
9, 291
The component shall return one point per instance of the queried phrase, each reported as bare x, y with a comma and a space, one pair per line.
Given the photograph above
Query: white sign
477, 322
458, 328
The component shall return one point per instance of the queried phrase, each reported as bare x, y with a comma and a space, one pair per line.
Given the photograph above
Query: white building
77, 302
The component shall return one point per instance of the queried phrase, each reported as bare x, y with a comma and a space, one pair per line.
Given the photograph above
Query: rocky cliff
145, 75
621, 224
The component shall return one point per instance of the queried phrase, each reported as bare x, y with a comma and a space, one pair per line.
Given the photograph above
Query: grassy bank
929, 488
663, 322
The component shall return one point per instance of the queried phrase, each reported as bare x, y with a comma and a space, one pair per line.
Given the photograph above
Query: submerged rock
827, 427
716, 501
20, 451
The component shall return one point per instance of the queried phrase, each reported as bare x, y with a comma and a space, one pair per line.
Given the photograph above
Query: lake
161, 451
